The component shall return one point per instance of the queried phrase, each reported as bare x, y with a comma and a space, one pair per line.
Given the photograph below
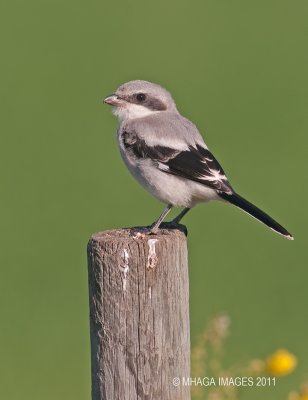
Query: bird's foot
170, 225
174, 225
141, 232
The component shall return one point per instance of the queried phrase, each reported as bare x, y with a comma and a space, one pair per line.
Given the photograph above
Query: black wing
199, 164
196, 163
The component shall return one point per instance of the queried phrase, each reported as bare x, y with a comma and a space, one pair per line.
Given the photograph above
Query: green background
238, 69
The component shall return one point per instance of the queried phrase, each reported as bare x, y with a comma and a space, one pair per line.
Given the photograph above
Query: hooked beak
113, 100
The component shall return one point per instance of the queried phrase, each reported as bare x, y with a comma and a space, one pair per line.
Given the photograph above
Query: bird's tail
255, 212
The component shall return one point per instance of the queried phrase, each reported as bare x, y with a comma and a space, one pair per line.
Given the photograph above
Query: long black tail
255, 212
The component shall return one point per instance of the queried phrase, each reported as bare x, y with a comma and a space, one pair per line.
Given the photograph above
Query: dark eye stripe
150, 102
154, 104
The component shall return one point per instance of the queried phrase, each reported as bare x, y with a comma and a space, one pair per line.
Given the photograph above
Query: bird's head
137, 99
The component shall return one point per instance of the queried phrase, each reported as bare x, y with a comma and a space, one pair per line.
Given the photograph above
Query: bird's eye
140, 97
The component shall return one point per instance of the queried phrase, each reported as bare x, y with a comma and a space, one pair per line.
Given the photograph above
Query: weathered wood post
139, 315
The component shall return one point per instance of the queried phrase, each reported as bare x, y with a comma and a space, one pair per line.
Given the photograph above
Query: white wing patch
213, 174
163, 167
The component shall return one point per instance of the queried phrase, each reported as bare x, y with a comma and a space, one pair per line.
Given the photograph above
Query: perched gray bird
167, 155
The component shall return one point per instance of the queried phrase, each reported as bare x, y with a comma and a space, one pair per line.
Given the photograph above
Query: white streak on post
124, 268
152, 257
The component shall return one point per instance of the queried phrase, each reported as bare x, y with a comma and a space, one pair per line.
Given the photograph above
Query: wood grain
139, 315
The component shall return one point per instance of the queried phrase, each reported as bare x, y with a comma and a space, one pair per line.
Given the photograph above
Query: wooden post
139, 315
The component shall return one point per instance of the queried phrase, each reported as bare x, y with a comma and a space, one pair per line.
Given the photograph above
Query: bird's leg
154, 227
177, 219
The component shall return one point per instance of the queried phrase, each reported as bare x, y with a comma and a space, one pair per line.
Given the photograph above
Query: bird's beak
113, 100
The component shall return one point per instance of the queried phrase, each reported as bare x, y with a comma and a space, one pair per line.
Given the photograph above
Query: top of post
136, 233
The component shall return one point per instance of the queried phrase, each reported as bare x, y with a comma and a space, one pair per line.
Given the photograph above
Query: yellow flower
298, 396
282, 362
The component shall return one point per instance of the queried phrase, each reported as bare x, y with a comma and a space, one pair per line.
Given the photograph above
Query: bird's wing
198, 164
195, 162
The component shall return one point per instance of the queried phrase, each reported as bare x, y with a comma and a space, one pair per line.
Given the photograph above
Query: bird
167, 155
